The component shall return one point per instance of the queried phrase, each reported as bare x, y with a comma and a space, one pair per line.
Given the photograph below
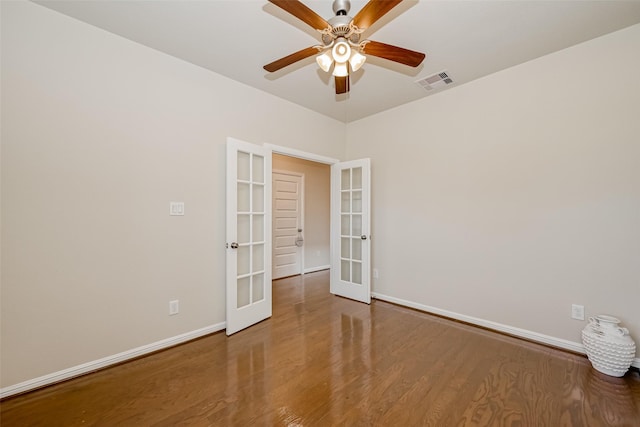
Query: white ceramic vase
609, 346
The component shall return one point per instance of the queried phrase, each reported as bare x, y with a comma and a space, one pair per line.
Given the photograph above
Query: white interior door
248, 235
350, 230
288, 239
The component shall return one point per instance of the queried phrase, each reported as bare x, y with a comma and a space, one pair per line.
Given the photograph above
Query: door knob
363, 237
234, 245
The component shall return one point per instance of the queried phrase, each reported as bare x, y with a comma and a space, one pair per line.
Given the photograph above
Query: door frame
292, 152
300, 225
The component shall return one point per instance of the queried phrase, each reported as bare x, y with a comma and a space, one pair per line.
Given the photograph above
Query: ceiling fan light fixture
357, 60
324, 61
341, 69
341, 51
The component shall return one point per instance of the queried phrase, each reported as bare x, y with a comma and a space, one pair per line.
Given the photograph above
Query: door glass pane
258, 168
243, 228
356, 201
357, 248
258, 228
243, 260
243, 166
345, 273
345, 205
243, 197
258, 287
344, 251
356, 178
244, 292
258, 258
345, 225
345, 180
356, 273
258, 198
357, 225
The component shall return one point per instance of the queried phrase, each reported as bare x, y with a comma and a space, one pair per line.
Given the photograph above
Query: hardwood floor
322, 360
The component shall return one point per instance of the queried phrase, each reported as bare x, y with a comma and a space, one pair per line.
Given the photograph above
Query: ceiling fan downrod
341, 7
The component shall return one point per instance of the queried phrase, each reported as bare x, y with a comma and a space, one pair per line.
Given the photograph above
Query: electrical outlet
174, 307
376, 274
577, 312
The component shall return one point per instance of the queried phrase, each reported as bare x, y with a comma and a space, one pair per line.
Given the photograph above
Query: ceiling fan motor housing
341, 24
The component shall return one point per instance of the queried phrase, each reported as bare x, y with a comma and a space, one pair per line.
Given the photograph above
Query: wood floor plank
323, 360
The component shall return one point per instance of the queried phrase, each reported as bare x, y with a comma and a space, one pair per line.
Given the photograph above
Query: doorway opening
301, 227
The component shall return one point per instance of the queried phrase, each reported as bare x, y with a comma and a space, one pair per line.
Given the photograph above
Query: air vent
435, 81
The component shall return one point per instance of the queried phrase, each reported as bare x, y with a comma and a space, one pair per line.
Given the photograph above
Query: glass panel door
351, 217
248, 236
250, 225
351, 239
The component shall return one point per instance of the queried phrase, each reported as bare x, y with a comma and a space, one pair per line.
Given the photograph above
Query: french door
248, 260
248, 253
350, 230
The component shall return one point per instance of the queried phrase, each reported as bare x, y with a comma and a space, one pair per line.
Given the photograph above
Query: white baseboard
314, 269
522, 333
85, 368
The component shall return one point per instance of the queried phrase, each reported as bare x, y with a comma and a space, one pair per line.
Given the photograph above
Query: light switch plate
174, 307
176, 208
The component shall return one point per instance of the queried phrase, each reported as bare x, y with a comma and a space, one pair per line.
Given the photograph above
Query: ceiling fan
342, 47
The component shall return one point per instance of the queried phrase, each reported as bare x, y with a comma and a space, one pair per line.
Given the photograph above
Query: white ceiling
469, 39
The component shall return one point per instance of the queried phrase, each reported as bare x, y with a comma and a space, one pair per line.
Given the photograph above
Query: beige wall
508, 198
516, 195
317, 197
99, 134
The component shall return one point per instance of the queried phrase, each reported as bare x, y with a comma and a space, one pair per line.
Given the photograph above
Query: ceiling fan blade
373, 11
393, 53
290, 59
302, 12
342, 85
